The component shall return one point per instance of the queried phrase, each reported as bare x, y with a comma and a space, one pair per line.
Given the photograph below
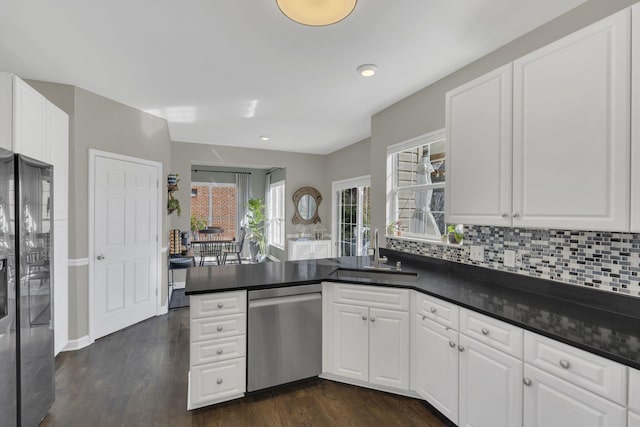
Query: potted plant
197, 223
255, 227
174, 205
455, 233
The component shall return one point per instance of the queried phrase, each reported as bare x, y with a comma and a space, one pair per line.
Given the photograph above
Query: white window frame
337, 187
392, 186
276, 214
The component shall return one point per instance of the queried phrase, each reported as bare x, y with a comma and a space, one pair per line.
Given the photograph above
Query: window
352, 218
415, 187
275, 214
215, 204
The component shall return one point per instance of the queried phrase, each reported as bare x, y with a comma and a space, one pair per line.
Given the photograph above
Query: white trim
77, 344
426, 138
359, 181
93, 154
366, 384
78, 262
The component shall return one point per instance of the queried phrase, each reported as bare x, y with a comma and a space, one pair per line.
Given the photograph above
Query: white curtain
267, 202
243, 185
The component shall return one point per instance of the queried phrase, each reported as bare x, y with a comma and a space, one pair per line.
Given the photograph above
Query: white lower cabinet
434, 371
490, 386
218, 348
364, 343
552, 402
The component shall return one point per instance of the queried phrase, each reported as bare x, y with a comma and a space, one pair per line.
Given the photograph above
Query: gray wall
424, 111
301, 170
100, 123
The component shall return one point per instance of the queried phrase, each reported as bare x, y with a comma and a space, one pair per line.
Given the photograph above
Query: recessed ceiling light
264, 137
367, 70
316, 13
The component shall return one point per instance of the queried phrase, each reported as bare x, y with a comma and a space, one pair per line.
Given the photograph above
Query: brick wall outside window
223, 207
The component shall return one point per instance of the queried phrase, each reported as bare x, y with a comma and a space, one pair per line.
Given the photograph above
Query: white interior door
126, 252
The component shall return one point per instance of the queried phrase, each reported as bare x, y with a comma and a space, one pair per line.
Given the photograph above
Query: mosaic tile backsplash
604, 260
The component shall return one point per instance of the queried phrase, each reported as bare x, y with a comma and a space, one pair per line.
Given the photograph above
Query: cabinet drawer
589, 371
440, 311
218, 327
218, 304
372, 296
634, 390
495, 333
216, 382
217, 350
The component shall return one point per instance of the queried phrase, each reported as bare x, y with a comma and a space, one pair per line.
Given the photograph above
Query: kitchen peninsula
522, 321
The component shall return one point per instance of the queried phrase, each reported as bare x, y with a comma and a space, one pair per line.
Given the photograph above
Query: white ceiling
226, 71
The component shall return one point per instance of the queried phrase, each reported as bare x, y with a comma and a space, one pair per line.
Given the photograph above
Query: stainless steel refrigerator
26, 286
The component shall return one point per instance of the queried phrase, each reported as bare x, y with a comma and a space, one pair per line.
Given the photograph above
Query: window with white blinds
275, 215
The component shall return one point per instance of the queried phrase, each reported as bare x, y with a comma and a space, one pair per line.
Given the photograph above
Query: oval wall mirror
306, 201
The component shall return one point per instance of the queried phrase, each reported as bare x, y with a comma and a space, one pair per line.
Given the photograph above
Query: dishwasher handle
266, 302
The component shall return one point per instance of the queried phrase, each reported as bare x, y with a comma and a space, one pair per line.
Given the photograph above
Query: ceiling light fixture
264, 137
367, 70
316, 13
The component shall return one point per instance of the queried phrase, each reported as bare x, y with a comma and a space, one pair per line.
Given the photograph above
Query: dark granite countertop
600, 322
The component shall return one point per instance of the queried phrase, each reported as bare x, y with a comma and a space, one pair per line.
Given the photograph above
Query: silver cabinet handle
219, 381
433, 309
452, 344
485, 331
100, 257
364, 317
527, 382
219, 328
460, 348
565, 364
373, 319
219, 351
220, 305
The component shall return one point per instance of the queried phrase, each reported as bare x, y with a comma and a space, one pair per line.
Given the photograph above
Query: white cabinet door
490, 386
389, 348
635, 119
479, 144
321, 249
434, 370
6, 111
58, 156
552, 402
300, 250
571, 130
29, 121
350, 339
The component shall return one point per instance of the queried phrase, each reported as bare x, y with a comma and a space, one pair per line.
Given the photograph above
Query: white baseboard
164, 309
77, 344
60, 348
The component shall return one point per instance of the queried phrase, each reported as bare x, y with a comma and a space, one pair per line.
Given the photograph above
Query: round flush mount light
367, 70
264, 137
316, 13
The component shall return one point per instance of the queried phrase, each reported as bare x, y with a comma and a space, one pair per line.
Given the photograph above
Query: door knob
100, 257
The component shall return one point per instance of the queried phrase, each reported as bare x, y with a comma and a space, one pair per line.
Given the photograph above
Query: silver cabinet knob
219, 351
373, 319
219, 328
219, 381
424, 317
504, 214
516, 215
364, 317
220, 305
485, 331
100, 257
460, 348
433, 309
447, 328
527, 382
452, 344
565, 364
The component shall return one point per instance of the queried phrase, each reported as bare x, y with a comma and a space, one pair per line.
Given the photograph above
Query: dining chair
211, 245
235, 247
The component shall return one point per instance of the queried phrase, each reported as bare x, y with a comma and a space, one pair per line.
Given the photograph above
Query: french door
352, 216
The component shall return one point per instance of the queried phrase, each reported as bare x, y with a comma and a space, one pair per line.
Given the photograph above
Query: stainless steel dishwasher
285, 335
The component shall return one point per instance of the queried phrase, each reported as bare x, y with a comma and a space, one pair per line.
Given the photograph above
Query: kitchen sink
384, 274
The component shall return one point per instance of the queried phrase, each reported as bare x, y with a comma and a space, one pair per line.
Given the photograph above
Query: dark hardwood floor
138, 377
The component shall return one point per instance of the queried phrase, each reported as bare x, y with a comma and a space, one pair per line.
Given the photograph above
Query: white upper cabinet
635, 120
479, 144
29, 121
58, 147
571, 130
